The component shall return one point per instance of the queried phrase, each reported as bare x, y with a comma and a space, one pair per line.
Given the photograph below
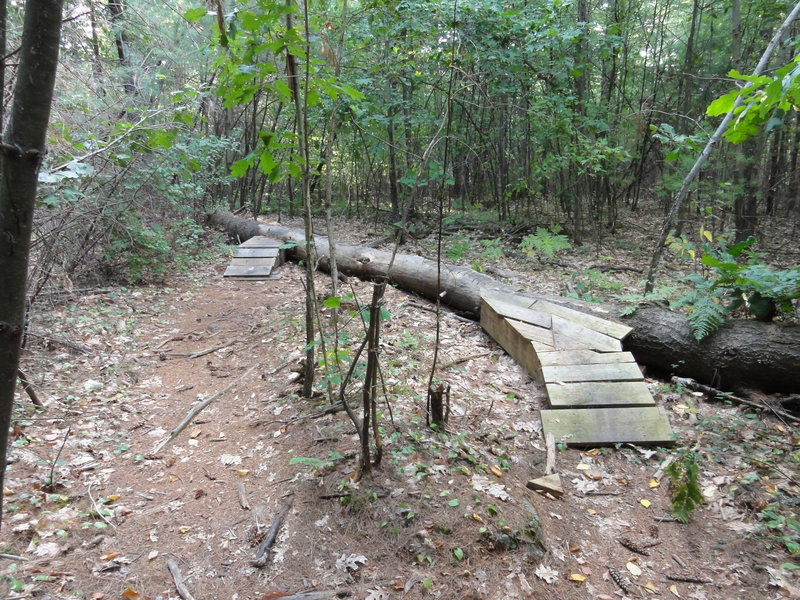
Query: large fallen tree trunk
741, 353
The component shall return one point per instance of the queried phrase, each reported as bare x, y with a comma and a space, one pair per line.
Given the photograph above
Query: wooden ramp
255, 259
596, 392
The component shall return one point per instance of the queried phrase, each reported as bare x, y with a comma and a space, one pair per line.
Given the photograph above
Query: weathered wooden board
582, 357
596, 372
253, 262
260, 241
255, 252
597, 426
519, 313
610, 328
531, 332
599, 394
510, 338
594, 339
237, 271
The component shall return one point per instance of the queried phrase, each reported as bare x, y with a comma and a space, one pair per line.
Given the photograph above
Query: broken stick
183, 591
196, 410
272, 534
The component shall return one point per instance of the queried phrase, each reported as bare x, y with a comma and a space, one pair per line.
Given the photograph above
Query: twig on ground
28, 387
196, 410
183, 591
457, 361
714, 393
272, 534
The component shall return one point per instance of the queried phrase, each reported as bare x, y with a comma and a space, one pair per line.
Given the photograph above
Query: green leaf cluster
732, 284
686, 494
545, 242
762, 100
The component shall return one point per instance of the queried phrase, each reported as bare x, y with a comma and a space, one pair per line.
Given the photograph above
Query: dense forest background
520, 113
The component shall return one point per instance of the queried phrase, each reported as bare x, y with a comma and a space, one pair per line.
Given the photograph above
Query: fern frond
706, 316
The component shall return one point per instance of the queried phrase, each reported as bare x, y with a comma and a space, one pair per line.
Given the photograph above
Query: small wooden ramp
255, 259
596, 392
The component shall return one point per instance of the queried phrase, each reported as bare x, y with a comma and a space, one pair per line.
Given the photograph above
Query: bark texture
21, 152
740, 354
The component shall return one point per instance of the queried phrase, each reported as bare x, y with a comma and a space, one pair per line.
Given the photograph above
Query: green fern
547, 243
686, 494
632, 302
705, 309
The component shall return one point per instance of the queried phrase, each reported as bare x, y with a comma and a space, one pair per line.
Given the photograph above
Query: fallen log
740, 354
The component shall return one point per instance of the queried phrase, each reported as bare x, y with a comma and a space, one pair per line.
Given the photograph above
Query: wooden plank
255, 252
594, 339
253, 262
531, 332
598, 372
520, 301
540, 347
565, 342
260, 241
599, 394
582, 357
596, 426
519, 313
510, 339
610, 328
247, 271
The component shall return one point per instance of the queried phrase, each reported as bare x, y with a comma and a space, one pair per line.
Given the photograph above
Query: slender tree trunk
683, 192
21, 153
117, 10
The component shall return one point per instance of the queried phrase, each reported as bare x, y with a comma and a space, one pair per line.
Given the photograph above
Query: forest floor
444, 516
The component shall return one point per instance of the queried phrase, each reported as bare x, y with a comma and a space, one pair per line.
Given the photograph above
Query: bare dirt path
445, 516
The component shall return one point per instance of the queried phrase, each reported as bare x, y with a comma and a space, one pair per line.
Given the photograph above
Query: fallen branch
242, 494
714, 393
458, 361
214, 349
28, 387
269, 539
196, 410
183, 591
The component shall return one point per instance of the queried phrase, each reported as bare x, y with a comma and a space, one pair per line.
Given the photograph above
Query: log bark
740, 354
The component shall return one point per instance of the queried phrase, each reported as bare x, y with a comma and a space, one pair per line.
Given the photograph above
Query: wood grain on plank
610, 328
594, 339
597, 372
583, 357
518, 313
510, 339
599, 394
255, 252
596, 426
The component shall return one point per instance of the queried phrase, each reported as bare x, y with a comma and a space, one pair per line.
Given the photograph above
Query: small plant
544, 242
730, 285
686, 495
457, 247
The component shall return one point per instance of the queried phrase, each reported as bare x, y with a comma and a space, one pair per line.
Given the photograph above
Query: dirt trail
445, 516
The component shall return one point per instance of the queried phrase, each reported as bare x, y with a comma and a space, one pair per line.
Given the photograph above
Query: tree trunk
740, 354
21, 154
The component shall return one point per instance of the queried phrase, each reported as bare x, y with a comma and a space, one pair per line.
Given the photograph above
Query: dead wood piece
604, 268
183, 591
242, 494
28, 387
688, 577
714, 393
214, 349
458, 361
316, 595
550, 443
439, 404
272, 534
13, 557
196, 410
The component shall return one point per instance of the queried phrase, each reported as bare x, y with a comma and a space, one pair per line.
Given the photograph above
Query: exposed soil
445, 515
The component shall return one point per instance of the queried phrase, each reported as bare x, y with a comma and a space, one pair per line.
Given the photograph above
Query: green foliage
457, 247
686, 494
544, 242
730, 286
763, 100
